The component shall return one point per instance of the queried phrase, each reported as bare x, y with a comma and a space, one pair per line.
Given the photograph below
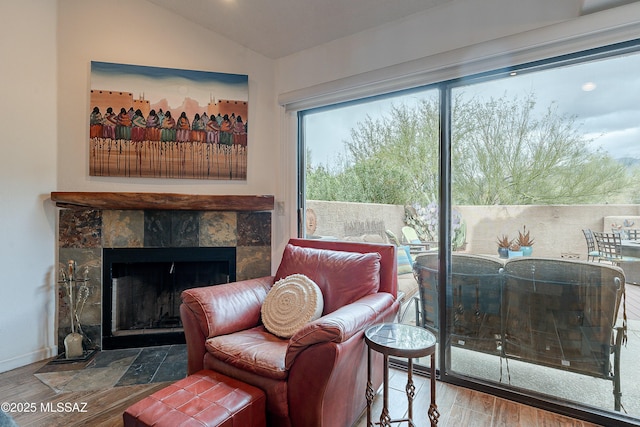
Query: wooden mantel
161, 201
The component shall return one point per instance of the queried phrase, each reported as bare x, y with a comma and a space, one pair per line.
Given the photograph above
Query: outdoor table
630, 248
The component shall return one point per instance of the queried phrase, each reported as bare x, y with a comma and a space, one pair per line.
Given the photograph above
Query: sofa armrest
227, 308
195, 340
340, 325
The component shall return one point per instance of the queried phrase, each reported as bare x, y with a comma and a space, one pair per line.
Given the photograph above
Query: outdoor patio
557, 229
558, 234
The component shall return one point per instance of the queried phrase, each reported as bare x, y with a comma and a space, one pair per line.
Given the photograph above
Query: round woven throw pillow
291, 303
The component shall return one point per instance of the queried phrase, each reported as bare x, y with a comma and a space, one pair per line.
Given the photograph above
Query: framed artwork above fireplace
151, 122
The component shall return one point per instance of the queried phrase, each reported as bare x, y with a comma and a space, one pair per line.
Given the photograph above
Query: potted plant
525, 241
503, 246
515, 250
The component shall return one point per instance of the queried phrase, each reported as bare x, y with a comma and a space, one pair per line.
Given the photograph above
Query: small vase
514, 254
526, 250
503, 252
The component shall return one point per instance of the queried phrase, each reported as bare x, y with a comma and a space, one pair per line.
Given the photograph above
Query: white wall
45, 85
28, 170
141, 33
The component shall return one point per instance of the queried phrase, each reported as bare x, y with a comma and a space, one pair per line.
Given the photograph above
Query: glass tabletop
400, 340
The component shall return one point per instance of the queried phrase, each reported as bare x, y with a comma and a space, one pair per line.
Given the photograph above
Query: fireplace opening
142, 287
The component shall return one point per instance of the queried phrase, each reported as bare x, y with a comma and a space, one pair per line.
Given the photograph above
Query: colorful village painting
152, 122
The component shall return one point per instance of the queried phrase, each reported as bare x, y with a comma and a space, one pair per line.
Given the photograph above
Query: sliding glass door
540, 154
528, 158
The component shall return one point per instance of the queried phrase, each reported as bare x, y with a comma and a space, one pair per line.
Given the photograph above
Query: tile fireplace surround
89, 222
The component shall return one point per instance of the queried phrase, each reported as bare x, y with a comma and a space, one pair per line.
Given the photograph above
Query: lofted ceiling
277, 28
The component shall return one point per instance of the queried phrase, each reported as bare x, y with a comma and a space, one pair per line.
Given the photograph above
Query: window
545, 150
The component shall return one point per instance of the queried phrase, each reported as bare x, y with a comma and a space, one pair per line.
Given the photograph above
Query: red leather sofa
317, 377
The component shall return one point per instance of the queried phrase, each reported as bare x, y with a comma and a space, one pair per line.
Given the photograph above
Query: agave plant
524, 239
504, 242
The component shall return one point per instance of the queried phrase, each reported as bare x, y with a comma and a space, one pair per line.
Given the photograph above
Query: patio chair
393, 239
592, 252
610, 248
411, 239
473, 299
564, 314
633, 233
407, 283
627, 233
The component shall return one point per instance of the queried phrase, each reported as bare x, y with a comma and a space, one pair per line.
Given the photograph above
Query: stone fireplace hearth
91, 222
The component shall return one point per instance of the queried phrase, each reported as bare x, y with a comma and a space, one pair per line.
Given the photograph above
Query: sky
173, 84
603, 95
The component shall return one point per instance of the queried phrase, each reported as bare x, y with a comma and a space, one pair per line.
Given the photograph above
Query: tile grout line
160, 364
126, 371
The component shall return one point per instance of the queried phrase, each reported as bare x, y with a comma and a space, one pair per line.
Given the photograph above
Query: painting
152, 122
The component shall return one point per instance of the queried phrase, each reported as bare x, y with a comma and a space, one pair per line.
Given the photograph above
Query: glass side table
393, 339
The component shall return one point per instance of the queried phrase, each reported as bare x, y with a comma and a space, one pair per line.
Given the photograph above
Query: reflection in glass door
538, 155
372, 174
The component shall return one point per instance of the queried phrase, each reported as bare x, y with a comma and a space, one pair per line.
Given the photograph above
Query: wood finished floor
461, 407
458, 406
632, 295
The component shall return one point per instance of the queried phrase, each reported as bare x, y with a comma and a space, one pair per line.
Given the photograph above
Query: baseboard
27, 359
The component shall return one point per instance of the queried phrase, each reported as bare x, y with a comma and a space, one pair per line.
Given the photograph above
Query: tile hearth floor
115, 368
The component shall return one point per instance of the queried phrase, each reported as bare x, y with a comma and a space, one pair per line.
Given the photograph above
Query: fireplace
91, 225
141, 290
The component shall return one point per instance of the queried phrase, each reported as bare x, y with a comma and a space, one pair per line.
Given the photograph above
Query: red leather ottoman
206, 398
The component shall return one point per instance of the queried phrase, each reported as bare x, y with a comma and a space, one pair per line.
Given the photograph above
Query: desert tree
503, 152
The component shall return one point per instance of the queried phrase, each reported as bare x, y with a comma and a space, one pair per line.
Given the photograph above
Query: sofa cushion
343, 277
408, 285
291, 303
254, 350
405, 263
